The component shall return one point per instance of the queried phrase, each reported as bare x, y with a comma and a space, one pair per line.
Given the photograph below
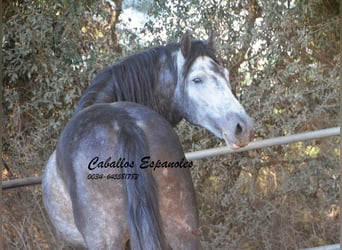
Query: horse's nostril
238, 129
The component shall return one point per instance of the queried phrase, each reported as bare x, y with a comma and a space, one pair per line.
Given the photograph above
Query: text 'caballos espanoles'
145, 162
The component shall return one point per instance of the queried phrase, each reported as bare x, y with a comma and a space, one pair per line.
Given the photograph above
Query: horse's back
93, 133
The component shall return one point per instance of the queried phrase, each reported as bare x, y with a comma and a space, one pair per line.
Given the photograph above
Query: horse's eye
197, 80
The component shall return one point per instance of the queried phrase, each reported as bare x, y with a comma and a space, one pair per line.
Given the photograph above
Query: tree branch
254, 11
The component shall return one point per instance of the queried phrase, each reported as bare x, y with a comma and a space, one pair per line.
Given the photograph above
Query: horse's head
205, 95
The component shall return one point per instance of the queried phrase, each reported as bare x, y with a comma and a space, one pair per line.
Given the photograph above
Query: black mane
132, 78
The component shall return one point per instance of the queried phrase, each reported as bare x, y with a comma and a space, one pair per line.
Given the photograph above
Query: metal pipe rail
212, 152
265, 143
327, 247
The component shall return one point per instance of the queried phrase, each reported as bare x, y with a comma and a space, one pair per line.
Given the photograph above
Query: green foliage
49, 59
283, 58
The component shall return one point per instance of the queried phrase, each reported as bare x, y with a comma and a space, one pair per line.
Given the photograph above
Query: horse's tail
144, 219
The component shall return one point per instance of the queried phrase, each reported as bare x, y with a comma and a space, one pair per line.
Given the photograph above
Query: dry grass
25, 224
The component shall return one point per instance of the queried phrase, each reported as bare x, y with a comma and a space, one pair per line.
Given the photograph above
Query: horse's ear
186, 43
212, 39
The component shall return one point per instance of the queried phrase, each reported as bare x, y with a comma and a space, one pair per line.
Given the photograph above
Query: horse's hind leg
107, 235
179, 209
100, 213
58, 204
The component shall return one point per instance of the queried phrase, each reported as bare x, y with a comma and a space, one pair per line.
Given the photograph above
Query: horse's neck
155, 91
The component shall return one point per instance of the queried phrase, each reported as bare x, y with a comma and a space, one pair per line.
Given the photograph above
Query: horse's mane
144, 72
132, 78
135, 77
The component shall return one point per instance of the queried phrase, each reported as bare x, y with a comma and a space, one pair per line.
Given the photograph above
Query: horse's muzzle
239, 131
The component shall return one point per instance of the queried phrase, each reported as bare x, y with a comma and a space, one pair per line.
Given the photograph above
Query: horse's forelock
198, 48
